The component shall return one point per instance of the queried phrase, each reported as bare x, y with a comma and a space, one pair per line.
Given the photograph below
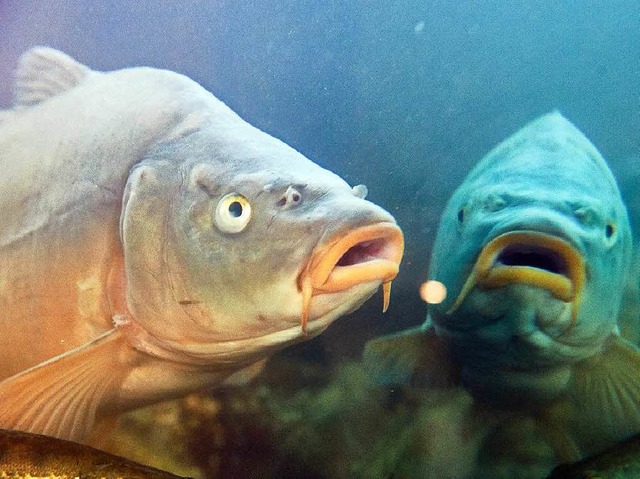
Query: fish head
533, 248
246, 245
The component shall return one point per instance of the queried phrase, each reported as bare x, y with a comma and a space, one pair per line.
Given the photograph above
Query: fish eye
233, 213
460, 215
610, 230
236, 209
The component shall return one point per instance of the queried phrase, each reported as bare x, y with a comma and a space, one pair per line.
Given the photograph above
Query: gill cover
146, 232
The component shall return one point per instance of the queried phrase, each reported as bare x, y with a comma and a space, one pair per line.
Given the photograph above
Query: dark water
403, 96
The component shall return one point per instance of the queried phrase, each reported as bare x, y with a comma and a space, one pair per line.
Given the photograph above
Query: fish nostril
291, 197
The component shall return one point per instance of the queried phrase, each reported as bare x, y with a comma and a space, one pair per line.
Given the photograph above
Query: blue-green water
403, 96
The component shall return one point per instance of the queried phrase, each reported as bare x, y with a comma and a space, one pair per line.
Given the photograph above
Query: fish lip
534, 258
368, 253
550, 228
561, 271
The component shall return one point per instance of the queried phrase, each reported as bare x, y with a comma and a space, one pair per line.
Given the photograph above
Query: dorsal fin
43, 73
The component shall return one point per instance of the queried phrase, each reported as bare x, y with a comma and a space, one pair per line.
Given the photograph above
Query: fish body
25, 455
153, 243
534, 249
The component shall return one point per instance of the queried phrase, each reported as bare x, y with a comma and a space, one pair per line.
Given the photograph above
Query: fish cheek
234, 273
199, 218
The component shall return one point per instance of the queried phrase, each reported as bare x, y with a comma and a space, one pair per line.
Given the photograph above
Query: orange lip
532, 258
369, 253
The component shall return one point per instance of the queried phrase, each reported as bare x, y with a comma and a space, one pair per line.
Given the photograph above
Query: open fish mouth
528, 257
369, 253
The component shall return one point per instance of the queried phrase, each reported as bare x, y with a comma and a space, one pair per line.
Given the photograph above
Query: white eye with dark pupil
233, 213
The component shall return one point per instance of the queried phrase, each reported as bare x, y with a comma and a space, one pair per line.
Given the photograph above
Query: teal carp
534, 249
153, 243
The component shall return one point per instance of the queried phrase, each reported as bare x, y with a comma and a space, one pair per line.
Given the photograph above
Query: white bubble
433, 292
419, 27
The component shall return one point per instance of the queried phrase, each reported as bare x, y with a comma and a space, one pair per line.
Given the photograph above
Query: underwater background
403, 96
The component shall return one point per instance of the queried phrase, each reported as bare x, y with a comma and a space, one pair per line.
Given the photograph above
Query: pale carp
33, 456
534, 248
153, 243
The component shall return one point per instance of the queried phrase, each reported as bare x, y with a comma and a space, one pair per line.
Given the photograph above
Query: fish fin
44, 73
102, 431
245, 375
605, 396
414, 357
553, 425
62, 396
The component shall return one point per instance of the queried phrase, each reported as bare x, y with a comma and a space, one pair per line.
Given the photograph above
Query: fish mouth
528, 257
369, 253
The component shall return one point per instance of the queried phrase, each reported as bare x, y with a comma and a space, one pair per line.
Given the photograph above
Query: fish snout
542, 220
360, 255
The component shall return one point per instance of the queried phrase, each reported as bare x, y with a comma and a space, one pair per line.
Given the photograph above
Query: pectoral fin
604, 397
245, 375
416, 357
62, 396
